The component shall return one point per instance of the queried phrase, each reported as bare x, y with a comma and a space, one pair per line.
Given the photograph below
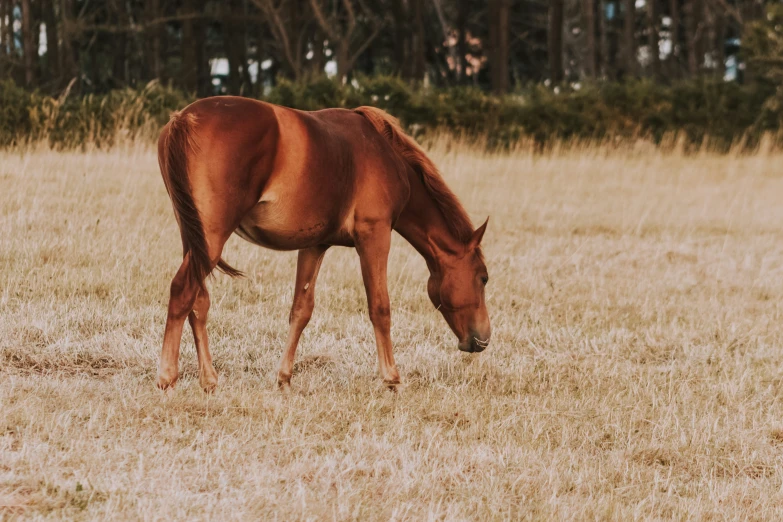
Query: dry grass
635, 369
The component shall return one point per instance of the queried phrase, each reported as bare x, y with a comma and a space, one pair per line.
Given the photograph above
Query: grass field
635, 371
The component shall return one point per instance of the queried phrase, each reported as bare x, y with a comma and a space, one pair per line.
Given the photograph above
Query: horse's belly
272, 227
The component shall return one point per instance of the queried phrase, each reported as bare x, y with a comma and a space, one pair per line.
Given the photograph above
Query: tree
195, 64
3, 35
498, 44
120, 44
154, 35
653, 35
462, 39
341, 27
674, 12
289, 21
70, 45
29, 51
52, 41
694, 28
590, 61
233, 32
418, 43
556, 40
629, 38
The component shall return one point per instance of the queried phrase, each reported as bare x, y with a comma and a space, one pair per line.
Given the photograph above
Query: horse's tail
175, 142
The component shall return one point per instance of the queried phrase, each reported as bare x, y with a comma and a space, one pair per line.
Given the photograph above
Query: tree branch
325, 26
366, 44
351, 18
277, 26
730, 10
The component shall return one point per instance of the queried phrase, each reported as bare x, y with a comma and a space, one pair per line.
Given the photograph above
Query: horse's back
331, 169
291, 179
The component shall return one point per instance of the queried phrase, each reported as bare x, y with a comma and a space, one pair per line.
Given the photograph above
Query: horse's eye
484, 280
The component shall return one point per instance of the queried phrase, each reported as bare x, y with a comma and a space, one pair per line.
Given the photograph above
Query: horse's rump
176, 141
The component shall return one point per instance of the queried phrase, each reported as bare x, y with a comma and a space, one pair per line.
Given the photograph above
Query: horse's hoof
392, 385
166, 382
208, 382
284, 382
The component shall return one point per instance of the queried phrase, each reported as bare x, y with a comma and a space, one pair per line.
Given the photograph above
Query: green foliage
704, 109
763, 51
77, 122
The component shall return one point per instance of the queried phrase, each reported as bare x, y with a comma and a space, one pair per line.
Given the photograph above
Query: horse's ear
478, 234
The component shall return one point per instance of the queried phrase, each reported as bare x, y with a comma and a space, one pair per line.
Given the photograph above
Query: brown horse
292, 180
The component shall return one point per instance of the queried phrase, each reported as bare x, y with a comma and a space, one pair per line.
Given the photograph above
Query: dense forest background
513, 67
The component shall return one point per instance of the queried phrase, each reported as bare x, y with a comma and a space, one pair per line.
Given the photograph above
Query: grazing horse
293, 180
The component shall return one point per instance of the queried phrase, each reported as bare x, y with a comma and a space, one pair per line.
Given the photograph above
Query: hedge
725, 113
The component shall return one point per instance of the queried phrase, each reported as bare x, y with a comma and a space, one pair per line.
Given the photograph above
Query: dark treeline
243, 46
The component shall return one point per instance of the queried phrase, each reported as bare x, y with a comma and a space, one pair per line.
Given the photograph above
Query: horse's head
456, 289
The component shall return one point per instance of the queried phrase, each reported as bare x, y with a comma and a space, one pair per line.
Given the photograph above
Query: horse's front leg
372, 243
307, 266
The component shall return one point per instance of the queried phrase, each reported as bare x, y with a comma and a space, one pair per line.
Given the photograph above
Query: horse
288, 180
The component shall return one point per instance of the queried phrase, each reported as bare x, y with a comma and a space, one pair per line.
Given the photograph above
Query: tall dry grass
634, 373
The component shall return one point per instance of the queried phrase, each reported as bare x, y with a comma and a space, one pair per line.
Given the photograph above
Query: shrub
723, 112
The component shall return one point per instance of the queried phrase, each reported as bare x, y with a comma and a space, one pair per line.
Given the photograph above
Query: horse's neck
422, 224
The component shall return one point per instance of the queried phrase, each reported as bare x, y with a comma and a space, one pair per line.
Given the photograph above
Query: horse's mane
456, 218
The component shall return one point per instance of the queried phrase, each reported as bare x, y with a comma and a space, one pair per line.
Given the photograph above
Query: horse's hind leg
307, 266
207, 376
183, 296
189, 299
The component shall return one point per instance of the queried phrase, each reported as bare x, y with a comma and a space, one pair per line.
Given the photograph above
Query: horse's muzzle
474, 344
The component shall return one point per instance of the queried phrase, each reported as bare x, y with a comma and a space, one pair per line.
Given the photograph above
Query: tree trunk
402, 39
294, 12
720, 45
70, 45
120, 43
602, 58
751, 10
343, 59
692, 35
28, 51
419, 45
236, 47
3, 31
241, 45
591, 66
233, 38
153, 44
653, 37
52, 43
259, 56
37, 19
629, 37
319, 55
189, 72
203, 71
499, 40
462, 39
556, 41
675, 35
